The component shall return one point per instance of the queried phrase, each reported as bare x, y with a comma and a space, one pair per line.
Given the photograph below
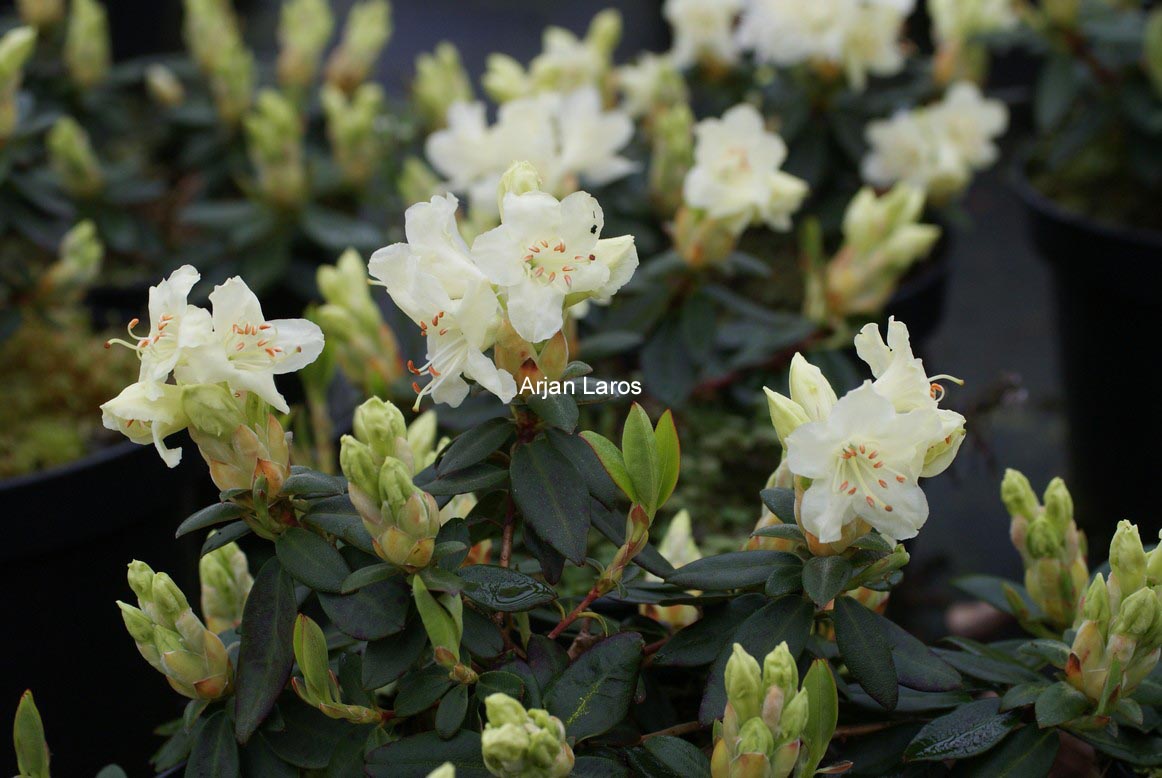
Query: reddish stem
575, 613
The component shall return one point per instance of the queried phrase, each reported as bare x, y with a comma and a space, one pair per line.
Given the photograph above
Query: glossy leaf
611, 459
669, 456
475, 445
265, 656
781, 502
640, 450
373, 612
594, 694
1028, 752
453, 708
1058, 704
732, 570
865, 650
311, 560
967, 731
218, 513
824, 577
504, 589
552, 497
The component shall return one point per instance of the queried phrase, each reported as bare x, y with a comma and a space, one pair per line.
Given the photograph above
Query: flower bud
226, 582
779, 670
1127, 559
605, 32
440, 81
505, 79
671, 156
232, 83
521, 177
744, 684
755, 738
421, 440
86, 51
358, 465
395, 485
1154, 566
304, 28
810, 389
786, 414
703, 241
1042, 540
520, 744
164, 86
81, 253
1018, 496
502, 709
794, 719
365, 33
1137, 614
274, 135
16, 46
357, 142
1096, 606
381, 426
446, 770
212, 409
73, 160
1058, 504
41, 13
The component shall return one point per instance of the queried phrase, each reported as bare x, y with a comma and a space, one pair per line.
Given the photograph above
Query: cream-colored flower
960, 20
971, 123
148, 414
649, 82
702, 31
736, 176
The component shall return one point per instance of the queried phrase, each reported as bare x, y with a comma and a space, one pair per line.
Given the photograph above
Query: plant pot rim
1034, 199
100, 456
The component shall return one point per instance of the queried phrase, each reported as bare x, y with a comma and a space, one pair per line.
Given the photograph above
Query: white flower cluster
569, 138
937, 147
865, 452
703, 30
736, 175
233, 344
960, 20
545, 255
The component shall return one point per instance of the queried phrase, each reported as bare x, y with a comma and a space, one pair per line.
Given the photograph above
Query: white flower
736, 174
568, 137
702, 30
971, 123
860, 35
175, 327
650, 81
959, 20
148, 413
901, 378
247, 351
566, 62
864, 460
434, 280
546, 250
937, 147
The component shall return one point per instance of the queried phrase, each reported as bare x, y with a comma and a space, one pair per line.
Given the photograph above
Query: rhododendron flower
702, 30
148, 413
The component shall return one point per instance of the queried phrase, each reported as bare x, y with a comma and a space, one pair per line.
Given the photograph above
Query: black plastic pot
1107, 281
68, 534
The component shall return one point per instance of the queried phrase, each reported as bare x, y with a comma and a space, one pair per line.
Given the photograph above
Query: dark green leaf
209, 516
337, 231
419, 755
597, 767
547, 659
865, 650
1058, 704
225, 536
481, 478
786, 577
386, 660
782, 531
1057, 87
824, 577
670, 757
475, 445
780, 502
265, 655
365, 576
1023, 694
1026, 753
556, 410
916, 666
594, 694
214, 754
504, 589
552, 497
337, 516
481, 636
502, 682
967, 731
990, 589
703, 640
988, 668
305, 481
450, 714
732, 570
311, 560
373, 612
420, 690
1052, 652
1128, 746
258, 758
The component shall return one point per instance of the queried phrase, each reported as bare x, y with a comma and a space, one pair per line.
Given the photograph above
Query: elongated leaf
481, 635
640, 450
665, 756
305, 481
481, 478
732, 570
786, 576
421, 754
225, 536
218, 513
420, 690
552, 497
967, 731
823, 707
1027, 753
991, 589
374, 612
450, 714
504, 589
916, 666
594, 694
265, 655
701, 642
214, 754
475, 445
865, 649
1058, 704
336, 516
365, 576
782, 531
311, 560
610, 457
1128, 746
556, 410
1023, 694
824, 577
386, 660
781, 502
669, 456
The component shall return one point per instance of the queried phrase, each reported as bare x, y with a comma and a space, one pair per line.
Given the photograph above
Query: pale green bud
1137, 614
140, 576
274, 135
417, 182
352, 127
810, 389
395, 484
232, 83
41, 13
32, 755
440, 81
168, 599
212, 409
1062, 12
86, 51
226, 582
794, 719
381, 426
521, 177
605, 32
779, 670
1154, 566
446, 770
786, 414
1058, 504
365, 33
1043, 540
81, 252
672, 155
744, 686
1097, 601
756, 738
358, 465
139, 626
1018, 496
344, 285
1128, 558
16, 47
422, 440
502, 709
304, 28
164, 86
73, 160
338, 325
523, 744
310, 648
505, 79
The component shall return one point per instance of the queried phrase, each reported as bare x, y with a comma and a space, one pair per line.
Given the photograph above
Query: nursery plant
410, 617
